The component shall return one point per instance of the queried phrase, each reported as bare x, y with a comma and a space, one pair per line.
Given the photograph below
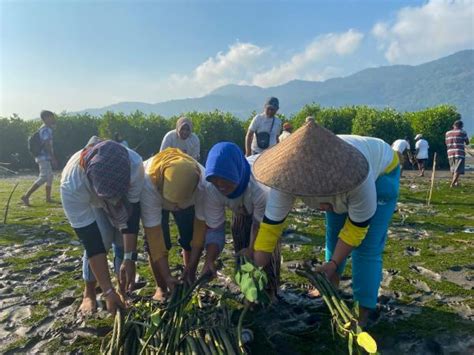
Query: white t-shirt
152, 203
253, 200
422, 146
46, 134
77, 196
359, 203
400, 145
191, 146
283, 135
261, 123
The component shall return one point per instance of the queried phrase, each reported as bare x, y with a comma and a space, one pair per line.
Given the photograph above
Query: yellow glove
352, 234
267, 237
156, 243
199, 234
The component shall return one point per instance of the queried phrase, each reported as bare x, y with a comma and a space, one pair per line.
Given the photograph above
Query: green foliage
72, 133
251, 280
433, 124
14, 134
308, 110
144, 133
338, 120
214, 127
387, 124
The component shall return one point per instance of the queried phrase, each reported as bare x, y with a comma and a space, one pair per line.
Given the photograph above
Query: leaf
366, 342
261, 284
155, 319
238, 277
251, 294
247, 267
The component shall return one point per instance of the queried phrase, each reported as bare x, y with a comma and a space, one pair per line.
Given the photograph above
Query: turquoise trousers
367, 257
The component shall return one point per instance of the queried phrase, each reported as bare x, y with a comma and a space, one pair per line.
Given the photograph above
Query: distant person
264, 128
183, 138
402, 147
455, 140
421, 153
45, 157
287, 129
119, 139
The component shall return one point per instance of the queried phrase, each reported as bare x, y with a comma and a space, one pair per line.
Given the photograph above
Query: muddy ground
426, 299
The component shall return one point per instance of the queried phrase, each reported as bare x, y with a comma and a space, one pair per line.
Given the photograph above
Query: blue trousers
367, 257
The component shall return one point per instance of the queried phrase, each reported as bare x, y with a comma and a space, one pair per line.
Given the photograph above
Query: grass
443, 245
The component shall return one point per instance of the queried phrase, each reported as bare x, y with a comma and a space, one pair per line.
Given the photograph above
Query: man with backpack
40, 145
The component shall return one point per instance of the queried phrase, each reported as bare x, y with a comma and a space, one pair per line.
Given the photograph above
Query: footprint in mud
420, 285
459, 275
412, 251
426, 272
387, 277
462, 309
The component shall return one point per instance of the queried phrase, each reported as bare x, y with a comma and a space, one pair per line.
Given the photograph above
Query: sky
72, 55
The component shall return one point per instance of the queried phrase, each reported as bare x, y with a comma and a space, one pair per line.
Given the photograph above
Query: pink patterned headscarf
107, 167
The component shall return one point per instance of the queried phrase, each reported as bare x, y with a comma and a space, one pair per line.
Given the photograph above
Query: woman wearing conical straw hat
354, 179
174, 183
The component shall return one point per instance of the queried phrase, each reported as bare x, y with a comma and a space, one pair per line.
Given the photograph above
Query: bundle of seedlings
186, 325
344, 320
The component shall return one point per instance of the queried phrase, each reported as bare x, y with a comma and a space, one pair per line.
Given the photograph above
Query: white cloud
427, 32
237, 65
298, 66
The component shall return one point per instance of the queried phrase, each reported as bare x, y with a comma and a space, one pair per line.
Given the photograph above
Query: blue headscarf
225, 160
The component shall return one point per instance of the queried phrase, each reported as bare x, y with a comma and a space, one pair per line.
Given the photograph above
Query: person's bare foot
88, 305
25, 200
160, 295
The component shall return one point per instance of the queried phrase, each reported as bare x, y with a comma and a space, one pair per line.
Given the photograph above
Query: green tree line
144, 133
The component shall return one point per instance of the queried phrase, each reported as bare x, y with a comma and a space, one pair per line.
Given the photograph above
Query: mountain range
448, 80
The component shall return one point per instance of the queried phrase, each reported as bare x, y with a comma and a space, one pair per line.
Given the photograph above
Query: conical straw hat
313, 161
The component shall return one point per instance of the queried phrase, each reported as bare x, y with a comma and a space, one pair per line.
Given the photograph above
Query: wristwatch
133, 256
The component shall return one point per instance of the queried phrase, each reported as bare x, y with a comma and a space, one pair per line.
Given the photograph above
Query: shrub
433, 123
386, 124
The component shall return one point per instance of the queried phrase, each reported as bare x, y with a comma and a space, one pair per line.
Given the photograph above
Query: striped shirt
455, 140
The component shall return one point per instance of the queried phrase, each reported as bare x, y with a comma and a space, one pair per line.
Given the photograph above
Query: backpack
35, 145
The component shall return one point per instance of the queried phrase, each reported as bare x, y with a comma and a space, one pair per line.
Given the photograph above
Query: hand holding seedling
127, 276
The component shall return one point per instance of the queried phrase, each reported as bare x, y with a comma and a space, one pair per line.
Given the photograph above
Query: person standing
264, 128
46, 159
402, 147
287, 129
183, 138
421, 154
455, 140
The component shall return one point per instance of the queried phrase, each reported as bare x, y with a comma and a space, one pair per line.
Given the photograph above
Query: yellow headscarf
175, 174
